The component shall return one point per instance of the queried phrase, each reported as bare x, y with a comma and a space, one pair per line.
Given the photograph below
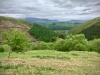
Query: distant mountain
77, 21
38, 20
91, 29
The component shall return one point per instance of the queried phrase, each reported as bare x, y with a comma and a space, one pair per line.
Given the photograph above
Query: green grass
49, 62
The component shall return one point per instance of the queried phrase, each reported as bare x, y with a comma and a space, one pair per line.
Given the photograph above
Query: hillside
7, 23
42, 33
91, 29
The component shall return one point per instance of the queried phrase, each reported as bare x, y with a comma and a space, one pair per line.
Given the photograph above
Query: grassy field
46, 62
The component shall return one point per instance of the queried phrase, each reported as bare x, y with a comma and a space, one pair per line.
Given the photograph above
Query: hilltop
8, 23
91, 29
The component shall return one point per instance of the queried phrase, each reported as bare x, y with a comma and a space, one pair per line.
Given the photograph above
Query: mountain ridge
38, 20
41, 20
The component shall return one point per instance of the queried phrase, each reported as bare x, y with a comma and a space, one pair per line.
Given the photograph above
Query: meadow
50, 62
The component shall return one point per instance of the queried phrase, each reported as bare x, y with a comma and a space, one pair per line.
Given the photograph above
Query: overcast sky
51, 9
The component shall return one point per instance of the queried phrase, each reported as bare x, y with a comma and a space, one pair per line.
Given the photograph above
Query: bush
59, 45
96, 45
51, 45
81, 47
1, 49
42, 46
76, 42
6, 48
33, 47
17, 40
73, 42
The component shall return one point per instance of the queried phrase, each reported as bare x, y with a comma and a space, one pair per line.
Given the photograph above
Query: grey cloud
84, 13
51, 9
86, 9
97, 4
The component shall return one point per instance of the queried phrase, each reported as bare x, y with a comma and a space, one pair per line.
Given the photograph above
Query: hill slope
42, 33
91, 29
7, 23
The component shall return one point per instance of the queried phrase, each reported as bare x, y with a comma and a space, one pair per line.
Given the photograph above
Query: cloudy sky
51, 9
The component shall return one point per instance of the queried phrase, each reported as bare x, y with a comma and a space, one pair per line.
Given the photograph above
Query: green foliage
42, 33
33, 47
1, 49
42, 46
90, 29
76, 42
60, 45
17, 40
96, 45
51, 45
6, 48
72, 42
62, 33
81, 47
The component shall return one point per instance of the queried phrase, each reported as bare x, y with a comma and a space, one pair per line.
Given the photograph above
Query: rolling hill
43, 33
8, 23
91, 29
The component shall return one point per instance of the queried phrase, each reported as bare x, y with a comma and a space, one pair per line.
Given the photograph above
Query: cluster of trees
42, 33
76, 42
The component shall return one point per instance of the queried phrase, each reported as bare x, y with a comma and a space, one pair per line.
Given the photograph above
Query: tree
17, 40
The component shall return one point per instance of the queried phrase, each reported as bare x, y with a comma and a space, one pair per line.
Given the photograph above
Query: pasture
50, 62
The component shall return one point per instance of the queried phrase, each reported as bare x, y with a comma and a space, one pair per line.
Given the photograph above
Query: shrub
96, 45
51, 45
81, 47
59, 45
76, 42
33, 47
17, 40
42, 46
72, 42
6, 48
1, 49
